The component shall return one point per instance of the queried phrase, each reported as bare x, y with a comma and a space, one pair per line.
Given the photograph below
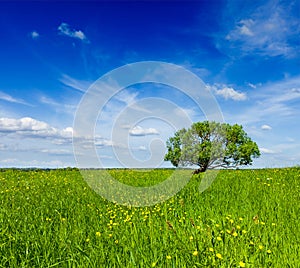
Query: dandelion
191, 238
219, 256
244, 231
238, 227
153, 264
87, 240
240, 218
98, 234
195, 253
260, 247
242, 264
251, 243
269, 251
169, 257
211, 249
219, 238
235, 234
116, 241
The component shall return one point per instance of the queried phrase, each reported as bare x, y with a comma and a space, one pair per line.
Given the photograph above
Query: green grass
53, 219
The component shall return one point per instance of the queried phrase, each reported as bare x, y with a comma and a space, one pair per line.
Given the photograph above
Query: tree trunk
199, 170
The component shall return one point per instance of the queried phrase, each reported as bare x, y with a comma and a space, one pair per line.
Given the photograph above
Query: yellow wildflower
195, 253
98, 234
242, 264
169, 257
219, 256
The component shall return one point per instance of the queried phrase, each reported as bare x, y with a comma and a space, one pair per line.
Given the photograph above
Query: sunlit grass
247, 218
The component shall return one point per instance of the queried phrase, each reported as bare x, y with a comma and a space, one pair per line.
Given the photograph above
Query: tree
211, 145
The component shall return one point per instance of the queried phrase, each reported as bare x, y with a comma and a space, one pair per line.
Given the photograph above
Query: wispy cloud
271, 102
270, 30
59, 107
9, 98
75, 83
65, 29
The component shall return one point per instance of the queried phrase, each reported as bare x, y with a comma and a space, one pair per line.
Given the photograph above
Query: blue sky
246, 53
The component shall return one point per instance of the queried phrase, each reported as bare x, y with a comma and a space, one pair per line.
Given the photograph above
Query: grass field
247, 218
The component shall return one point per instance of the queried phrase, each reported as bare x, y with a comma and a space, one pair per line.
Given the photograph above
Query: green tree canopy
211, 145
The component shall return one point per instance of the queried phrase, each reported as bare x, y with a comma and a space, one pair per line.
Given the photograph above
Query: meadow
247, 218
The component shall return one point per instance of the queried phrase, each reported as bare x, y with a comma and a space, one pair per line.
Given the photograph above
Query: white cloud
139, 131
9, 161
65, 29
230, 93
56, 151
266, 127
105, 143
270, 30
266, 151
34, 35
29, 127
15, 162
